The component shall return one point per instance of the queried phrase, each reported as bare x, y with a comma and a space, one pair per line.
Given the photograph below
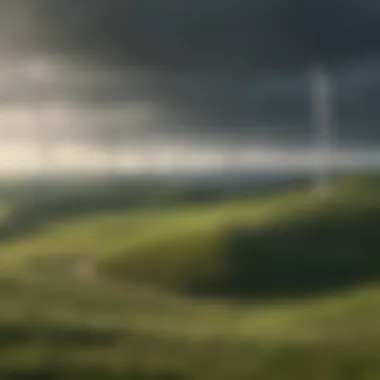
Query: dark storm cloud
201, 34
109, 105
203, 61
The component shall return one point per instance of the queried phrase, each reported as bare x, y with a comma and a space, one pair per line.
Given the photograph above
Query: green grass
138, 317
186, 247
69, 327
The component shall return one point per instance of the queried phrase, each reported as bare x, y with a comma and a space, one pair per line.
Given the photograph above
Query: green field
276, 287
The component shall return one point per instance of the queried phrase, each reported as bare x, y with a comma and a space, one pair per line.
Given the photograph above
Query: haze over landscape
189, 190
101, 76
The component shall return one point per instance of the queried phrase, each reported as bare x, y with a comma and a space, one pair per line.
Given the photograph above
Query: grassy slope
180, 245
54, 324
47, 326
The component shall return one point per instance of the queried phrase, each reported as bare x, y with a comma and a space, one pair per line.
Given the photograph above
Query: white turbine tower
322, 116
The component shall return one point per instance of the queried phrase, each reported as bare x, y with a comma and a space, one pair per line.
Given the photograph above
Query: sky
111, 75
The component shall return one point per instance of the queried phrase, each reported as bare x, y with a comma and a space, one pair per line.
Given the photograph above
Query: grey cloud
237, 35
196, 67
99, 105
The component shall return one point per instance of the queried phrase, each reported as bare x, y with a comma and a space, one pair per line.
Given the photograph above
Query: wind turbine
321, 97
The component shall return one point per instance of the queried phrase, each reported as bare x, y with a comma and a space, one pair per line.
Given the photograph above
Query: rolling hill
277, 287
208, 247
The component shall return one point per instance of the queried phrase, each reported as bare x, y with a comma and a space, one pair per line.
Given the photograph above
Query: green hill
201, 291
237, 246
64, 328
